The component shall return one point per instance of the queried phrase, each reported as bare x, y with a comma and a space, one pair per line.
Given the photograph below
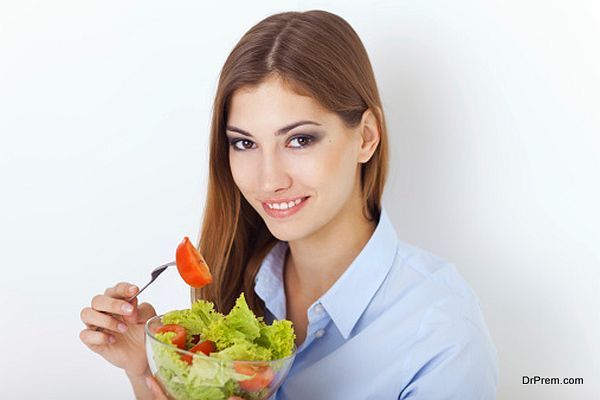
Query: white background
493, 117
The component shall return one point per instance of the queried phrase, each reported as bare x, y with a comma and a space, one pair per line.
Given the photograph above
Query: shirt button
319, 309
319, 333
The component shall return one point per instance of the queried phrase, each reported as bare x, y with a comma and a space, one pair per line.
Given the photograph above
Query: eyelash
310, 139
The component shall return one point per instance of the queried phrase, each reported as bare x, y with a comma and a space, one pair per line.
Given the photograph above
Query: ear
370, 136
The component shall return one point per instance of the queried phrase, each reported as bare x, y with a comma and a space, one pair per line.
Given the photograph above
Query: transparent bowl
210, 377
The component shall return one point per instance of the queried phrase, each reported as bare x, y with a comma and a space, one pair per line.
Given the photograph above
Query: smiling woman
298, 162
293, 218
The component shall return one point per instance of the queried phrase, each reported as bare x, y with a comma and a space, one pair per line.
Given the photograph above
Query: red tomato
263, 375
205, 347
179, 338
191, 265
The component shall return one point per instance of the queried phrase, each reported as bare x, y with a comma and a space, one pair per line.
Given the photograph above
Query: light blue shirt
399, 323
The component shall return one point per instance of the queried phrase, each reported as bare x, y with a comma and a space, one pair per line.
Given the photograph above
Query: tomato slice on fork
191, 265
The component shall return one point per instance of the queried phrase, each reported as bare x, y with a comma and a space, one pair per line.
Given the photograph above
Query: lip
284, 213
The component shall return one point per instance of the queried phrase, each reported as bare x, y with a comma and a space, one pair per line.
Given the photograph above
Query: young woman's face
293, 161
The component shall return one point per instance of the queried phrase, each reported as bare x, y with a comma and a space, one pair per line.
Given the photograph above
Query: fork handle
129, 300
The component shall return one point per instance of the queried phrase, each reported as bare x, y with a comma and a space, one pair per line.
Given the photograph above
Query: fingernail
132, 289
112, 339
127, 308
149, 382
121, 327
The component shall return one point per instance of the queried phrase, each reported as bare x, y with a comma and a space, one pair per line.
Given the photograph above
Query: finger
111, 305
91, 338
122, 290
93, 318
155, 389
133, 317
235, 398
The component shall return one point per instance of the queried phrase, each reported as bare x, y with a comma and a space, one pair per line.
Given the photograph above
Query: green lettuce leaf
278, 337
244, 350
194, 320
214, 372
165, 337
242, 319
240, 325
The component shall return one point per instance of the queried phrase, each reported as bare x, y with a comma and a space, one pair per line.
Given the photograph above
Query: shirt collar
349, 296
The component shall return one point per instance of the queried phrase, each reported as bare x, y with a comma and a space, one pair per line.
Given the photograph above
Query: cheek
239, 172
332, 169
343, 175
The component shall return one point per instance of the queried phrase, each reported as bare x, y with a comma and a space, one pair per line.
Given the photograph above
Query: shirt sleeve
453, 358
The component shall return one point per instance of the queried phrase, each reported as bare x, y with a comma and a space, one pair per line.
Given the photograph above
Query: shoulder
440, 318
418, 273
430, 298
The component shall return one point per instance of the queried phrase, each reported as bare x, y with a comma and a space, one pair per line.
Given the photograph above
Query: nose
273, 174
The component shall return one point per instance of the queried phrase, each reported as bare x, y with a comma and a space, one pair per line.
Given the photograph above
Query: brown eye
299, 142
242, 144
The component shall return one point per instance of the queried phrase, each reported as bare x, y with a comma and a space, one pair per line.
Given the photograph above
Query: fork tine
154, 274
159, 270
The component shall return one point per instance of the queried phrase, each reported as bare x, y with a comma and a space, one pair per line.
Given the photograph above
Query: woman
293, 218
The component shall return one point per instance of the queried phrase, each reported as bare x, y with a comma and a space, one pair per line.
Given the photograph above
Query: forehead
272, 103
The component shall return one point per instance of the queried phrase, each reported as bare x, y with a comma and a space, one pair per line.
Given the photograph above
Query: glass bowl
210, 377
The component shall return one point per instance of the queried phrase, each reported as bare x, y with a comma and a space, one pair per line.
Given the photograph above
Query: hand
160, 395
155, 389
115, 328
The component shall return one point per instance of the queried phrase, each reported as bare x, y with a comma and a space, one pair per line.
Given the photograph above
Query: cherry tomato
191, 265
179, 338
263, 375
205, 347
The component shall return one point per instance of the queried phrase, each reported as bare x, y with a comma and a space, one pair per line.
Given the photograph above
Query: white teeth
285, 206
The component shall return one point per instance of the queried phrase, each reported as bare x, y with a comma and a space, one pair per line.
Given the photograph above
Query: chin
287, 232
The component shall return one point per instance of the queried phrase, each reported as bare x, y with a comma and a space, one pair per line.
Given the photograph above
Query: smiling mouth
285, 205
284, 209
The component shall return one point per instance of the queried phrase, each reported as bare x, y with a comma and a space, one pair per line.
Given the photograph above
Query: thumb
145, 312
155, 389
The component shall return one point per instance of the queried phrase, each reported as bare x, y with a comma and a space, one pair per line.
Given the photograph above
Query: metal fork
154, 274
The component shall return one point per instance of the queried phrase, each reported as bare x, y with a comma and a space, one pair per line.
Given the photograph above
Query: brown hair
318, 54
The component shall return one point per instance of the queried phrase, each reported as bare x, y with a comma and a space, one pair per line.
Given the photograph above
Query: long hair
318, 54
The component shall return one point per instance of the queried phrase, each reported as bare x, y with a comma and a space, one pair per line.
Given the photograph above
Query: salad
199, 353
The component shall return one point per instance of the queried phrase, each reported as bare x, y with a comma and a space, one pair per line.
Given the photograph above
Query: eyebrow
281, 131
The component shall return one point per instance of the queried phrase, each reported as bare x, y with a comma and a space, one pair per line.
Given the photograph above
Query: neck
313, 264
